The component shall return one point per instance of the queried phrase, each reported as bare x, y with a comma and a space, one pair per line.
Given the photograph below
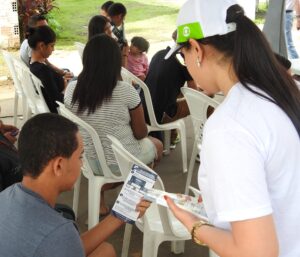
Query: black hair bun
234, 12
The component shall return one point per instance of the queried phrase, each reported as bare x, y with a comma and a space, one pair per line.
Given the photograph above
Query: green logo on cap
187, 31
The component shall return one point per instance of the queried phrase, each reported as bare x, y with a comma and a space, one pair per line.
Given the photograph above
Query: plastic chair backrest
125, 161
129, 77
8, 57
198, 104
80, 47
95, 139
31, 87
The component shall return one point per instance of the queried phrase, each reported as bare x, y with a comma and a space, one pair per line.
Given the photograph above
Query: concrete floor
171, 173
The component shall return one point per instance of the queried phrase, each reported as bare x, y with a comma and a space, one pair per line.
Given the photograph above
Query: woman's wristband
197, 225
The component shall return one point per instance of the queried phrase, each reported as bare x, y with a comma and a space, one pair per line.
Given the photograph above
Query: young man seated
51, 161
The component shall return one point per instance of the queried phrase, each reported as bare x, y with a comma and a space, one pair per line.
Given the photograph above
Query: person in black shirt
42, 40
164, 80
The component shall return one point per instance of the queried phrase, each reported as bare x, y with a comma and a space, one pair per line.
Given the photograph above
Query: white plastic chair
80, 47
8, 57
95, 182
158, 224
31, 86
198, 104
154, 125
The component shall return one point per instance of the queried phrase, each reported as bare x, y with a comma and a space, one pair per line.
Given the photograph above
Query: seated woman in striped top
110, 106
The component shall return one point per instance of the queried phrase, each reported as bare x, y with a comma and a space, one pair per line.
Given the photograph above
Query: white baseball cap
200, 19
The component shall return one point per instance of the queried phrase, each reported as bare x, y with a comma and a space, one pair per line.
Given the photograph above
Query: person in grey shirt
51, 162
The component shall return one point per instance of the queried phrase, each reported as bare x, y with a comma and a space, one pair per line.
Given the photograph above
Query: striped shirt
112, 118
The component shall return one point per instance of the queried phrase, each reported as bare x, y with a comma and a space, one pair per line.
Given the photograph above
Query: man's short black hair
43, 138
33, 20
117, 9
105, 6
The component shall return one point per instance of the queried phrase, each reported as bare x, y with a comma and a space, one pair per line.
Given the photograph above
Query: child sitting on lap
137, 59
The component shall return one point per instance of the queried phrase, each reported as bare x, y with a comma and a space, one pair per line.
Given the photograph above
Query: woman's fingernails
165, 197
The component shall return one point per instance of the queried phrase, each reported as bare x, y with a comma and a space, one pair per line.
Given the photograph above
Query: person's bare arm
58, 70
96, 236
65, 74
249, 238
138, 123
124, 53
192, 84
297, 10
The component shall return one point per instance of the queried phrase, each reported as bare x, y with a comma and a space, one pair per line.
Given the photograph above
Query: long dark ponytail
255, 64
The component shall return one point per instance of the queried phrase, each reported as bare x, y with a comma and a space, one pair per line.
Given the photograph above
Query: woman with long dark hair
109, 105
250, 158
99, 24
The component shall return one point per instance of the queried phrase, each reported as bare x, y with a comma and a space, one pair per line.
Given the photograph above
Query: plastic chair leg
28, 114
16, 101
126, 240
167, 142
76, 196
151, 243
94, 202
183, 147
177, 247
191, 167
25, 107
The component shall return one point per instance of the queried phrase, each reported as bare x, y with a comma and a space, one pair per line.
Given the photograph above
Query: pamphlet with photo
137, 183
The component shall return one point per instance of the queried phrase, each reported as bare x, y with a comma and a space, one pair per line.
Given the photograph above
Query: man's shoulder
27, 219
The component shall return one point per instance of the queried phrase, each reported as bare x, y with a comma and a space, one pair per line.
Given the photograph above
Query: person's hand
7, 128
11, 137
142, 206
298, 23
69, 75
125, 50
9, 131
185, 217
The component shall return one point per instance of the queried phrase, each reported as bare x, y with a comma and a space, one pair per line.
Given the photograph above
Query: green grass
261, 13
153, 19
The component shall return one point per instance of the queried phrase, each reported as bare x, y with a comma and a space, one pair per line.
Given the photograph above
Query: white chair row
154, 125
27, 86
158, 224
95, 183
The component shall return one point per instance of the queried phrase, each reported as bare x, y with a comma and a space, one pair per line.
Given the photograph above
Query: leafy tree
27, 8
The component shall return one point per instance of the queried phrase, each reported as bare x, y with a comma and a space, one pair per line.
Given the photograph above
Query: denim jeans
289, 16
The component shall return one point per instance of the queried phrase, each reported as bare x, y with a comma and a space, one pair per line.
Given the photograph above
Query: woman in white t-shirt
250, 157
110, 106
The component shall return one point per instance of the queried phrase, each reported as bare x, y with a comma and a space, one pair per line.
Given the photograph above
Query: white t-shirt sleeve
235, 173
133, 99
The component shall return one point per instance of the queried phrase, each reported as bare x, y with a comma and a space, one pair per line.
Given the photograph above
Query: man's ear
58, 165
197, 48
40, 45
